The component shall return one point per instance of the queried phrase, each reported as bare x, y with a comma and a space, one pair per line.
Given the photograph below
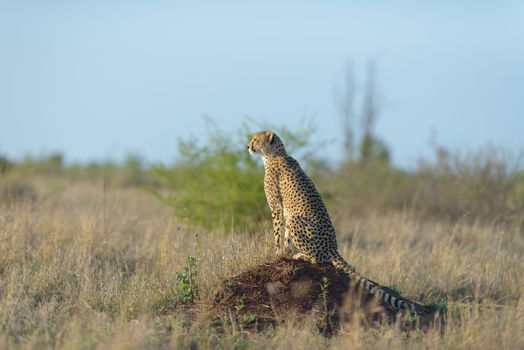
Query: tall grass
486, 184
91, 268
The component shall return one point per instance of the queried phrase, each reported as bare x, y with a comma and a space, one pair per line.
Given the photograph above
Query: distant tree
370, 147
346, 108
370, 113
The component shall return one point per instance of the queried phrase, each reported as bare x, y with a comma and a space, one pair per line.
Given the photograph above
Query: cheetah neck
269, 161
265, 161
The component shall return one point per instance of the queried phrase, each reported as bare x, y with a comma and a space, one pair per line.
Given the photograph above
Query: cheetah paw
299, 256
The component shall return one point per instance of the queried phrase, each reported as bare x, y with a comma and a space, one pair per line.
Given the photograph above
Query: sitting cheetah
298, 210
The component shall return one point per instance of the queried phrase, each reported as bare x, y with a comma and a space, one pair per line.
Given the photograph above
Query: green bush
218, 184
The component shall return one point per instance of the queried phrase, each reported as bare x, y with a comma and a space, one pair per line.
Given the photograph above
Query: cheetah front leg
288, 248
301, 256
278, 227
287, 239
274, 201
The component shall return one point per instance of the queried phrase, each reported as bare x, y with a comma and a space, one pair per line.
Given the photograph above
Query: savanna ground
96, 262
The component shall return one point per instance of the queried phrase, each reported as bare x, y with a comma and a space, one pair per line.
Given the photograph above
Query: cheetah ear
271, 137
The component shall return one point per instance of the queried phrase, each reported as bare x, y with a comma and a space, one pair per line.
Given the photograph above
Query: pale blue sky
99, 79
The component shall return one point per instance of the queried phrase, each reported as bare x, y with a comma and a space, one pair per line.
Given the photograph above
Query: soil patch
286, 290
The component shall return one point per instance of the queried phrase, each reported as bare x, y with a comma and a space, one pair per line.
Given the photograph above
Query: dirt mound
288, 290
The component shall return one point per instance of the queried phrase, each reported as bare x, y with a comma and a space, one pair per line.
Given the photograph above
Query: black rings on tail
372, 287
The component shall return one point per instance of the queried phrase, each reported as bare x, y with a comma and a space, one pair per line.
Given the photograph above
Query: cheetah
299, 213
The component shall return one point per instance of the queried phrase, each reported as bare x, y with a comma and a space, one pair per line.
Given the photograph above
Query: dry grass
86, 268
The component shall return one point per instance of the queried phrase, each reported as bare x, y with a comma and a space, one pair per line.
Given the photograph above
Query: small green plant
395, 289
187, 288
182, 291
241, 303
411, 317
439, 306
232, 283
249, 318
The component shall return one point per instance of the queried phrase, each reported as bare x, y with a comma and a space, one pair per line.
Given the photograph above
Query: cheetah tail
341, 264
384, 294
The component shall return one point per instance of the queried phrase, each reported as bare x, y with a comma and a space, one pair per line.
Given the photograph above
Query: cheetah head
267, 144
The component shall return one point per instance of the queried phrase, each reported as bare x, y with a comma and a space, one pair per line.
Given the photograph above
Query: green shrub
188, 291
218, 184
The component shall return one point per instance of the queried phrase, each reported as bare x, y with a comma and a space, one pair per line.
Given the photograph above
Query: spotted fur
299, 214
